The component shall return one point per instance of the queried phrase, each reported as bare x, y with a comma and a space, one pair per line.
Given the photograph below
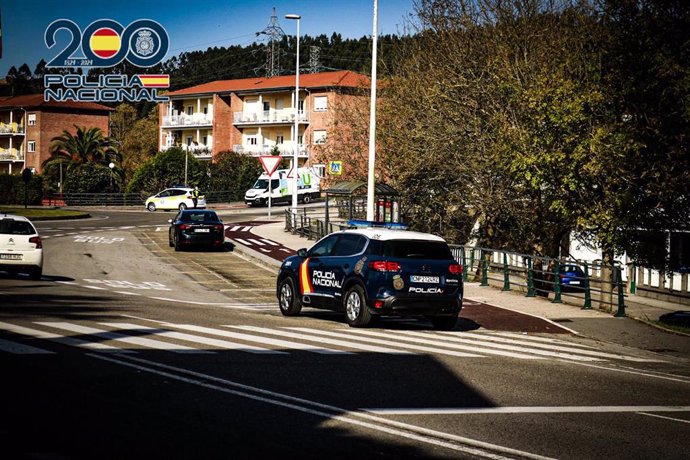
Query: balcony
260, 150
200, 151
273, 116
11, 155
184, 120
11, 129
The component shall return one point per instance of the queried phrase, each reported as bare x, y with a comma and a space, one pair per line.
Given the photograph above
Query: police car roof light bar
355, 223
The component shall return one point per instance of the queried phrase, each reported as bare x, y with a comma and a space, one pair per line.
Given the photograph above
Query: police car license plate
11, 256
574, 282
202, 230
424, 279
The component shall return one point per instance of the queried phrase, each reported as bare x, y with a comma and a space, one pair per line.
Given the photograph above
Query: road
127, 349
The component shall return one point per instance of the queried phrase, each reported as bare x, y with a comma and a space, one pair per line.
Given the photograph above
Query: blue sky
191, 24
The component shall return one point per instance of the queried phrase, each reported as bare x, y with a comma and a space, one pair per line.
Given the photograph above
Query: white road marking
256, 242
272, 243
313, 338
60, 338
246, 243
265, 250
533, 338
248, 228
652, 374
21, 349
393, 343
490, 341
139, 341
258, 339
195, 338
369, 421
665, 418
526, 410
233, 229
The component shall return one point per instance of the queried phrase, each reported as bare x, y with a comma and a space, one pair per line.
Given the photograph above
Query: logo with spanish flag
154, 81
105, 42
304, 280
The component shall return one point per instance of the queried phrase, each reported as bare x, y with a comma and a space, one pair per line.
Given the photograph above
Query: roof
385, 234
352, 187
342, 78
36, 101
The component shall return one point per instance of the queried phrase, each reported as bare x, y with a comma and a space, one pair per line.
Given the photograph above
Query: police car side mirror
302, 252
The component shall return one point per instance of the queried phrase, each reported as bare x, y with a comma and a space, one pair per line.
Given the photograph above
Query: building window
320, 103
320, 136
190, 110
280, 139
251, 140
206, 110
300, 139
204, 140
300, 106
31, 146
189, 140
32, 119
267, 106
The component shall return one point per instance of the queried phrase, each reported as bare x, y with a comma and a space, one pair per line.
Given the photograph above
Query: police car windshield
262, 184
416, 249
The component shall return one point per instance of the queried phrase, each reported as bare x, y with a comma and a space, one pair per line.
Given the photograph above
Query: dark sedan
196, 228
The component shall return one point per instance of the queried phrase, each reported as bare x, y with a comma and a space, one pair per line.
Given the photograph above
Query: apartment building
28, 124
255, 115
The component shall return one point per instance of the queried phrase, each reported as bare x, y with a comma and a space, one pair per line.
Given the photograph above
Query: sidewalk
596, 324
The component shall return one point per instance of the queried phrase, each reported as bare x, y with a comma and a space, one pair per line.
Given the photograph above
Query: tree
87, 149
136, 138
168, 168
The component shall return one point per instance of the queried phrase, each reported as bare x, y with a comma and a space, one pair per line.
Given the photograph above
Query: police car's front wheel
356, 311
288, 301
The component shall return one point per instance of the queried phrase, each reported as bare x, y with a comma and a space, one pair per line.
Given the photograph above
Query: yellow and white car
175, 198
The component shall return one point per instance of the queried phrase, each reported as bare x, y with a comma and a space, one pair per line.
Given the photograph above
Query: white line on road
21, 349
526, 410
60, 338
272, 243
195, 338
256, 242
665, 418
399, 429
246, 243
139, 341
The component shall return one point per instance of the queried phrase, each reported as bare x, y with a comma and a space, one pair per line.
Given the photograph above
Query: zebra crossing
137, 335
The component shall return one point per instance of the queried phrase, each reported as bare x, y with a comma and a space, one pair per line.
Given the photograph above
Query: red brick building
255, 115
28, 124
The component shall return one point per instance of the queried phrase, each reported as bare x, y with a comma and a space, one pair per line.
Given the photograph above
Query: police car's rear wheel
356, 311
151, 207
288, 301
182, 206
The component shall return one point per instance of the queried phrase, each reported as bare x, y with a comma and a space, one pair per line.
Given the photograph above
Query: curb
255, 256
656, 326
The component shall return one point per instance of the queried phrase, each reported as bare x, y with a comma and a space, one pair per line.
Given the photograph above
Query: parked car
572, 277
21, 249
196, 228
372, 272
174, 198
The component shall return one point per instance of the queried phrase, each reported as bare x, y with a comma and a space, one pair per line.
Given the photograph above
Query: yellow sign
335, 168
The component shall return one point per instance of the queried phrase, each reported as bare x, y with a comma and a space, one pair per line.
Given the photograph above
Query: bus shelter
350, 200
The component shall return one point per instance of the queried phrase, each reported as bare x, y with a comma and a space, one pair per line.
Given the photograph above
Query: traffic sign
335, 168
270, 163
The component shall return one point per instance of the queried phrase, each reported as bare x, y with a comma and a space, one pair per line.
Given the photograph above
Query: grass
37, 213
672, 327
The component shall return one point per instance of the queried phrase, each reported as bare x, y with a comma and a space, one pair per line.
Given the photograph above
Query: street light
295, 160
372, 120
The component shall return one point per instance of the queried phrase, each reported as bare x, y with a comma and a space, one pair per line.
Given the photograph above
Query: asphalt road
128, 349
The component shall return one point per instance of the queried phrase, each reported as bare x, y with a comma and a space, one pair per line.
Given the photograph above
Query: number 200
155, 34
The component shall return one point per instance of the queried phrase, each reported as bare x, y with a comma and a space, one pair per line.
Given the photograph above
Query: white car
21, 249
175, 198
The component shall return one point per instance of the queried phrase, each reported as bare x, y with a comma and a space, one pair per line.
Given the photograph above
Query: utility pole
275, 34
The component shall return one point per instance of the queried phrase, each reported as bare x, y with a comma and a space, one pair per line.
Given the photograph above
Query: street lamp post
372, 120
295, 160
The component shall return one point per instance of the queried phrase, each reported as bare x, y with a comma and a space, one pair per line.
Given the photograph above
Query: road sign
335, 168
270, 163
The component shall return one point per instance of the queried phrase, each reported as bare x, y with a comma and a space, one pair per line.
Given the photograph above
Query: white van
308, 188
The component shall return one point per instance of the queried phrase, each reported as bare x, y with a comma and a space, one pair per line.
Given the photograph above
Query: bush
12, 189
165, 169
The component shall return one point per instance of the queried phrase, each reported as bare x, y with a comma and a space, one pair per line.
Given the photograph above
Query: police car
371, 272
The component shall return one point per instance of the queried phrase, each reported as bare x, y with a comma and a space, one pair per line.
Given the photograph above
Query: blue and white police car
371, 272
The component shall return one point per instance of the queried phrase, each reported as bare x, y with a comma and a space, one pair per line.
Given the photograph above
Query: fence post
485, 269
556, 284
506, 273
465, 276
620, 313
530, 279
588, 295
633, 279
